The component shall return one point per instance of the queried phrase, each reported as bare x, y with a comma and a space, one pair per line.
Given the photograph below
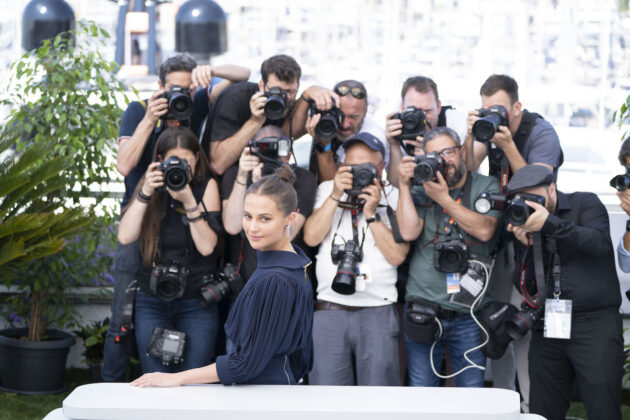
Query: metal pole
151, 56
123, 8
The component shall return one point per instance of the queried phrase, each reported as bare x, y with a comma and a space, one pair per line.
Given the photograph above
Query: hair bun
286, 174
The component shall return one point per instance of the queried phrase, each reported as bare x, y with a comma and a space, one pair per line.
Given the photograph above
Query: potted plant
93, 335
57, 151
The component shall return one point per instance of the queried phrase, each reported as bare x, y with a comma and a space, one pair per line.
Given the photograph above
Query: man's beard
457, 175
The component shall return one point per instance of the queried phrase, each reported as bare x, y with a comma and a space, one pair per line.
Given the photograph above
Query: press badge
452, 282
558, 318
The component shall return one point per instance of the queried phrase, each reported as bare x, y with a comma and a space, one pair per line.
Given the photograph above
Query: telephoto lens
522, 321
489, 123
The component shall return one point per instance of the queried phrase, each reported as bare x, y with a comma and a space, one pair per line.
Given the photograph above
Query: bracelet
191, 209
194, 219
142, 197
335, 199
239, 182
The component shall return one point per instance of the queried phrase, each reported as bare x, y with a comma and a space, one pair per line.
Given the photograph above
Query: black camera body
329, 122
277, 103
167, 345
168, 282
362, 176
489, 122
451, 256
180, 103
347, 256
414, 123
216, 288
427, 167
270, 150
515, 210
176, 173
621, 182
523, 321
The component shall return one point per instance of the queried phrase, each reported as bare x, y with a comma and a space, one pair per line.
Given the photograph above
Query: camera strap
448, 222
556, 270
126, 322
539, 270
354, 211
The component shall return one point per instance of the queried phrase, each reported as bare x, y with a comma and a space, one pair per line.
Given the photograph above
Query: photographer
511, 137
623, 248
244, 108
419, 95
141, 124
234, 186
438, 304
580, 275
171, 214
355, 318
346, 119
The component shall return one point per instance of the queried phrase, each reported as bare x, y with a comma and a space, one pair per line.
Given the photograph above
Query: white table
109, 401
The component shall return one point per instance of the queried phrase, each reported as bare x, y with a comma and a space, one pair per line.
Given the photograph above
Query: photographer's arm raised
224, 153
478, 225
203, 236
319, 222
232, 74
409, 223
326, 165
323, 99
130, 148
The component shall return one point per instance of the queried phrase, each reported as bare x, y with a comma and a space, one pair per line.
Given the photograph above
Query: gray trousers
368, 336
514, 362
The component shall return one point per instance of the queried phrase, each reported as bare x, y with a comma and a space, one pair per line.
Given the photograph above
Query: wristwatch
375, 218
628, 226
322, 148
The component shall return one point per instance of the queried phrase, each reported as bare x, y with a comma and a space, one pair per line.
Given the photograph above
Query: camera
167, 345
489, 122
329, 122
180, 104
522, 321
269, 150
362, 176
516, 211
347, 256
621, 182
451, 256
216, 288
427, 167
414, 124
168, 282
277, 103
176, 173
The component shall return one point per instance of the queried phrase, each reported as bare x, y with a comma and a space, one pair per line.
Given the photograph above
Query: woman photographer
271, 321
173, 209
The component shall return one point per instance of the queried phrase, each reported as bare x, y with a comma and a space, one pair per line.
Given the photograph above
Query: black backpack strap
391, 214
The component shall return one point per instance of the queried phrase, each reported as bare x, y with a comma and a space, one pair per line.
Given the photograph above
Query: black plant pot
33, 367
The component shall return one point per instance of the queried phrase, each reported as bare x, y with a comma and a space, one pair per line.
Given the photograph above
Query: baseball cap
368, 139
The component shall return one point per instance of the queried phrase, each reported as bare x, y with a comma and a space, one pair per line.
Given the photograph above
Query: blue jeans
461, 334
187, 315
116, 355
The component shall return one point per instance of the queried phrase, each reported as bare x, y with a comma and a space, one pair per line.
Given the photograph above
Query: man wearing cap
353, 103
438, 298
579, 266
355, 327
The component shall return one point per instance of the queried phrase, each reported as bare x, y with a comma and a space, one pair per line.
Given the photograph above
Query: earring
288, 231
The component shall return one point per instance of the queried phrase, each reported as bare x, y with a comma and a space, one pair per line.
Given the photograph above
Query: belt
322, 305
447, 314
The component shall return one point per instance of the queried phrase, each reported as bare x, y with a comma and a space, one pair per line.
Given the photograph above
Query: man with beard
437, 311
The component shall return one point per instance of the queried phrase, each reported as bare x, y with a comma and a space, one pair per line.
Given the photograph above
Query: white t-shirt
380, 287
369, 126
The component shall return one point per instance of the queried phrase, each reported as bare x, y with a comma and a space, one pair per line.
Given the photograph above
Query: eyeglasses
449, 151
357, 92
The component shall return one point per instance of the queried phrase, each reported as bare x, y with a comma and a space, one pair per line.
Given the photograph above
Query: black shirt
587, 260
305, 187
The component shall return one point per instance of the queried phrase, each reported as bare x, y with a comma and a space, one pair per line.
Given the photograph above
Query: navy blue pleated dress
271, 324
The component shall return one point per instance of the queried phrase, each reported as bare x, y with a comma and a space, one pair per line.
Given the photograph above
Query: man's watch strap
375, 218
322, 148
628, 225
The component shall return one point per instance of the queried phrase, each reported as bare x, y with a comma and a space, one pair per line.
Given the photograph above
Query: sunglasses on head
357, 92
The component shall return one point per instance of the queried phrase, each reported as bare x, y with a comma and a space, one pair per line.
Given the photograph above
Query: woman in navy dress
272, 318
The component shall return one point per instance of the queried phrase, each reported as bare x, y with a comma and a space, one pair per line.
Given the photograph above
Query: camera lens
176, 179
517, 213
180, 106
363, 178
450, 261
326, 128
410, 121
215, 292
344, 282
620, 182
168, 289
275, 107
423, 172
521, 322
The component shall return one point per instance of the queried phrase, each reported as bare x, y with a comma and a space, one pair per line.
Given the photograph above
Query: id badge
452, 282
558, 318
